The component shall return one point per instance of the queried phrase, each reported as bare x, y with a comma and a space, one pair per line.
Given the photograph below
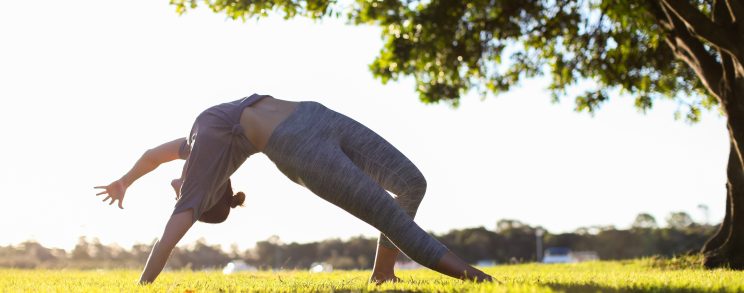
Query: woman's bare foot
176, 184
384, 267
453, 266
382, 278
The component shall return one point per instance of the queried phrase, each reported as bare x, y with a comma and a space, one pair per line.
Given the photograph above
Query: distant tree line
510, 241
514, 241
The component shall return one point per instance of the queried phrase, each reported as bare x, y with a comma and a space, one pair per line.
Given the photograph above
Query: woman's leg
394, 172
307, 149
335, 178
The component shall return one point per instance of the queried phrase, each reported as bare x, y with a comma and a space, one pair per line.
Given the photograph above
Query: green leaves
451, 47
244, 9
183, 5
590, 101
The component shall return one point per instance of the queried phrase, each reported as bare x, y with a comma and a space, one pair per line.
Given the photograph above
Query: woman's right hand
114, 191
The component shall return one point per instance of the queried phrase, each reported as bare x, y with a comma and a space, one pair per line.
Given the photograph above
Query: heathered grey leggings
349, 165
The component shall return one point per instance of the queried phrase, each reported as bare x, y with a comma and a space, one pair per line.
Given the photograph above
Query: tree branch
690, 50
709, 75
725, 12
701, 26
728, 76
723, 16
736, 7
721, 13
662, 16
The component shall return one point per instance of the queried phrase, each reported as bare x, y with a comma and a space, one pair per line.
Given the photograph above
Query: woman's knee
416, 188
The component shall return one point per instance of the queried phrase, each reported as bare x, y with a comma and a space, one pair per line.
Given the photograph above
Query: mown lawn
646, 275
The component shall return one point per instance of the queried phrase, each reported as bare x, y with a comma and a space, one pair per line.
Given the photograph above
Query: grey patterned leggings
349, 165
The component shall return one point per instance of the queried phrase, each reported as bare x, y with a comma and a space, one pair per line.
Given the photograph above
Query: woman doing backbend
332, 155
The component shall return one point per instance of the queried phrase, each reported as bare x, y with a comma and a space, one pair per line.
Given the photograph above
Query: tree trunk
718, 239
731, 252
726, 248
712, 48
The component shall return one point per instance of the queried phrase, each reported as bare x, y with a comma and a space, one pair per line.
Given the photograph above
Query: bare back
260, 119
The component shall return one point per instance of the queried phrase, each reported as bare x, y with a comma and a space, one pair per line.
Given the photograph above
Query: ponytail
237, 200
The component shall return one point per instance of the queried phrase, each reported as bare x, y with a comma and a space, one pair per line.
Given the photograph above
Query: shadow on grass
599, 288
576, 289
593, 288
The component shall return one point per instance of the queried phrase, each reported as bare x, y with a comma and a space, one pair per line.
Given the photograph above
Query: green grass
647, 275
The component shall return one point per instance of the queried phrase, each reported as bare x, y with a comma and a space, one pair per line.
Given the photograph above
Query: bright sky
86, 86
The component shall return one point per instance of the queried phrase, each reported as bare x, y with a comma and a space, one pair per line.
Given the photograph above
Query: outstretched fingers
113, 200
105, 190
111, 197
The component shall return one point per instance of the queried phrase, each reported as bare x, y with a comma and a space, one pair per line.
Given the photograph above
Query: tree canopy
451, 47
644, 221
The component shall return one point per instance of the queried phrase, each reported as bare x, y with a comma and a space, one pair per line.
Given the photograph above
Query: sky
87, 86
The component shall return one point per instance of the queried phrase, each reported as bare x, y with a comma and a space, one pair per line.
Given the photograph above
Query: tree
690, 51
507, 225
679, 220
81, 250
644, 221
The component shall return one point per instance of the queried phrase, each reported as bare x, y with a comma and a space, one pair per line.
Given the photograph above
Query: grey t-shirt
214, 150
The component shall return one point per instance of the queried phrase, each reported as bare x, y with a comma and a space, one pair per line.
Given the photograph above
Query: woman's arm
174, 231
150, 160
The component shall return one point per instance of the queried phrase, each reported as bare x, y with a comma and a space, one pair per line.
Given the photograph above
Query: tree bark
718, 239
686, 31
731, 252
721, 37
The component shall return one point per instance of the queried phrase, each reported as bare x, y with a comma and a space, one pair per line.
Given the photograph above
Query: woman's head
218, 213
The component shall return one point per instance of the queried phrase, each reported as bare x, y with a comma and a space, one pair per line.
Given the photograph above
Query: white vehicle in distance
565, 255
238, 266
557, 255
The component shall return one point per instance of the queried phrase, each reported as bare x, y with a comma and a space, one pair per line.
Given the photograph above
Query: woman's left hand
114, 191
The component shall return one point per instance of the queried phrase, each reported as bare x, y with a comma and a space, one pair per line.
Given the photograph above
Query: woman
332, 155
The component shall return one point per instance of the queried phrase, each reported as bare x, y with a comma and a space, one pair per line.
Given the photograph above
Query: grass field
646, 275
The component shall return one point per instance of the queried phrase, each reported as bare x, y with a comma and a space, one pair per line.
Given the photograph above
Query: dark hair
237, 200
218, 213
